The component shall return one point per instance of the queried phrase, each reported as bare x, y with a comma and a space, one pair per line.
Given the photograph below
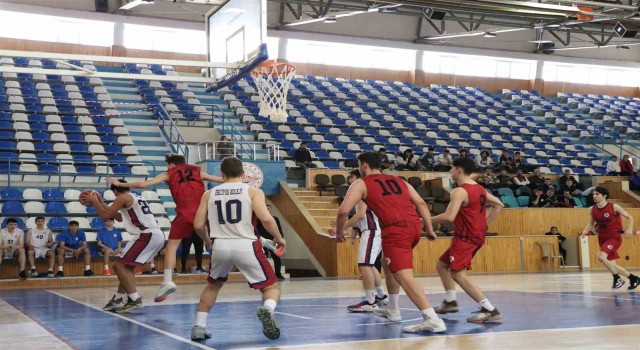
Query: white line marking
388, 322
141, 324
591, 296
286, 314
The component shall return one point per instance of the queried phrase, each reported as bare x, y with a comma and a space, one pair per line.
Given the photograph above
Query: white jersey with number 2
230, 213
138, 218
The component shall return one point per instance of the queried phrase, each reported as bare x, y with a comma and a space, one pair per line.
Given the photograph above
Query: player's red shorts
181, 227
610, 246
397, 246
460, 254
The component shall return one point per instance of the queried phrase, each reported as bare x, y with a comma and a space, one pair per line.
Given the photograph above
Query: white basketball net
272, 81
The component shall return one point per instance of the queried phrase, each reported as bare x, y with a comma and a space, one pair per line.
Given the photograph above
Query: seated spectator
198, 246
391, 170
504, 180
224, 147
567, 176
303, 157
488, 180
504, 162
561, 238
634, 184
443, 161
462, 154
522, 184
385, 158
483, 160
427, 161
613, 167
548, 184
408, 161
73, 243
539, 199
536, 180
517, 163
564, 201
40, 244
12, 245
570, 187
110, 243
626, 168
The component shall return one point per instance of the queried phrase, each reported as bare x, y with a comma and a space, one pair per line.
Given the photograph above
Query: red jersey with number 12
388, 198
609, 222
186, 186
470, 224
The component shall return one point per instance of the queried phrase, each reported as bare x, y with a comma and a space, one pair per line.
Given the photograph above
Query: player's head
461, 168
554, 229
109, 222
566, 194
369, 162
39, 222
614, 158
12, 223
353, 176
73, 226
382, 150
625, 157
600, 194
231, 168
117, 190
173, 159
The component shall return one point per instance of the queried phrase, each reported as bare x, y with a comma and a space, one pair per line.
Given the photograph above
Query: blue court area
307, 321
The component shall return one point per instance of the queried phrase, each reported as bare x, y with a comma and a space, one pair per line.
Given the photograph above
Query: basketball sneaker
199, 333
391, 315
131, 305
106, 272
60, 274
34, 273
269, 327
362, 306
201, 270
49, 274
617, 283
89, 273
484, 315
634, 282
428, 325
22, 275
164, 291
114, 304
154, 271
382, 302
447, 307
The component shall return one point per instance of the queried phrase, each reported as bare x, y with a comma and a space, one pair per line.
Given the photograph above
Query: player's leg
487, 311
366, 260
119, 298
431, 321
392, 311
125, 272
31, 258
60, 258
51, 257
607, 255
270, 298
381, 296
184, 254
105, 260
207, 300
450, 303
22, 261
86, 255
168, 286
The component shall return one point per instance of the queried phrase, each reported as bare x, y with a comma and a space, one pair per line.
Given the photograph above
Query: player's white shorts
247, 255
143, 248
40, 253
10, 254
369, 248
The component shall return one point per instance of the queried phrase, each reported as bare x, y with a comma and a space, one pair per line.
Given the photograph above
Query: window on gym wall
590, 74
165, 39
29, 26
478, 66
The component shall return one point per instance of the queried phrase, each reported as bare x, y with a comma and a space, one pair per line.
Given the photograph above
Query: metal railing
170, 130
210, 150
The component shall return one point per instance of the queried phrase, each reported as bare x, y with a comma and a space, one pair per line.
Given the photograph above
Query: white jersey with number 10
230, 213
138, 218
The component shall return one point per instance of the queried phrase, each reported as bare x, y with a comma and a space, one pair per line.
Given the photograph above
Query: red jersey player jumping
609, 226
395, 204
468, 211
186, 185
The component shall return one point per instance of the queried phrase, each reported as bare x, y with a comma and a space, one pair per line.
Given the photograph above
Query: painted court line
286, 314
141, 324
389, 322
591, 296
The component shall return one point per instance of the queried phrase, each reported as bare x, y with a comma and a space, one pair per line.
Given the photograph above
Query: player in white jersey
12, 244
366, 222
228, 209
146, 241
40, 243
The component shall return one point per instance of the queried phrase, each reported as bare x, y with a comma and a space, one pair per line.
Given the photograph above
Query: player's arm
589, 226
164, 177
21, 240
496, 207
200, 221
354, 195
50, 240
458, 195
105, 211
360, 214
259, 207
629, 232
29, 239
423, 211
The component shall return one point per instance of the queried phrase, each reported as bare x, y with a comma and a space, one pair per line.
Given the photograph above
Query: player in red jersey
186, 185
606, 216
467, 210
395, 204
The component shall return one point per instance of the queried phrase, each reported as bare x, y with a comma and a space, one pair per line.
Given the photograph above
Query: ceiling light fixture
134, 3
489, 35
330, 20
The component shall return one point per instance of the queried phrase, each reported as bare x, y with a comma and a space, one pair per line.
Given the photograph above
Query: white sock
393, 302
121, 296
380, 291
271, 304
106, 267
451, 295
33, 267
134, 296
87, 267
59, 268
371, 296
429, 313
152, 265
167, 276
486, 304
201, 319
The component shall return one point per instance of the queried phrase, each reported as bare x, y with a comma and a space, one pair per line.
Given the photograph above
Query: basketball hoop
272, 80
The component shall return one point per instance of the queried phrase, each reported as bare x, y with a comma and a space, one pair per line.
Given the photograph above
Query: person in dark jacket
303, 157
265, 234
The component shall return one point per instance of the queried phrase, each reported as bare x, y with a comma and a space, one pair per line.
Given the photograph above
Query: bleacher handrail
171, 132
208, 150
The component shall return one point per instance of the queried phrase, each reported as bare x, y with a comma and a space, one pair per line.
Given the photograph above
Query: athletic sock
380, 291
87, 267
152, 265
632, 277
201, 319
393, 302
429, 313
167, 276
33, 268
616, 277
120, 296
60, 268
486, 304
134, 296
106, 267
451, 295
271, 304
370, 296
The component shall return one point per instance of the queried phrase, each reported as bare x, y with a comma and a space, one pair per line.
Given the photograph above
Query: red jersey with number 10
186, 186
609, 222
388, 198
471, 222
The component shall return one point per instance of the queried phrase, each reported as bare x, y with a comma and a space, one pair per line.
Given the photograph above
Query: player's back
388, 197
230, 212
471, 222
138, 218
186, 186
39, 238
609, 222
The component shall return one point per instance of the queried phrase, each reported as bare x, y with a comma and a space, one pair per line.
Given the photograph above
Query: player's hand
340, 237
332, 231
113, 181
628, 234
208, 244
584, 233
279, 242
430, 234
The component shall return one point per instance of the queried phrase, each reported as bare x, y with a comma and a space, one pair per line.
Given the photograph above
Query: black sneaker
634, 282
60, 274
154, 271
34, 273
23, 275
183, 272
617, 283
447, 307
130, 306
200, 270
89, 273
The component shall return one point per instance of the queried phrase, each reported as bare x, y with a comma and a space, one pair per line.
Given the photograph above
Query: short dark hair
355, 173
12, 220
39, 218
231, 167
430, 149
466, 164
518, 152
372, 159
602, 190
552, 227
115, 188
175, 159
302, 143
381, 149
73, 222
446, 151
109, 219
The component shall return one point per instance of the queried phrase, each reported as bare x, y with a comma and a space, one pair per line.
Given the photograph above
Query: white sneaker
429, 325
391, 315
164, 291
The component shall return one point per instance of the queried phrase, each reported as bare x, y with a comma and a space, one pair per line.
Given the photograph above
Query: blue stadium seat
97, 223
53, 194
523, 201
113, 149
48, 169
46, 157
85, 169
55, 208
21, 224
10, 194
121, 170
76, 138
58, 223
78, 147
43, 147
12, 208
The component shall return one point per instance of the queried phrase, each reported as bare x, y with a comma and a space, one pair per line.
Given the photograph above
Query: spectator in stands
385, 158
518, 163
483, 160
634, 184
504, 180
564, 201
224, 147
12, 245
488, 180
567, 176
522, 184
462, 154
428, 160
73, 242
561, 238
613, 166
571, 187
443, 161
539, 199
266, 235
536, 180
626, 168
504, 162
548, 184
391, 170
110, 242
198, 246
408, 161
303, 157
